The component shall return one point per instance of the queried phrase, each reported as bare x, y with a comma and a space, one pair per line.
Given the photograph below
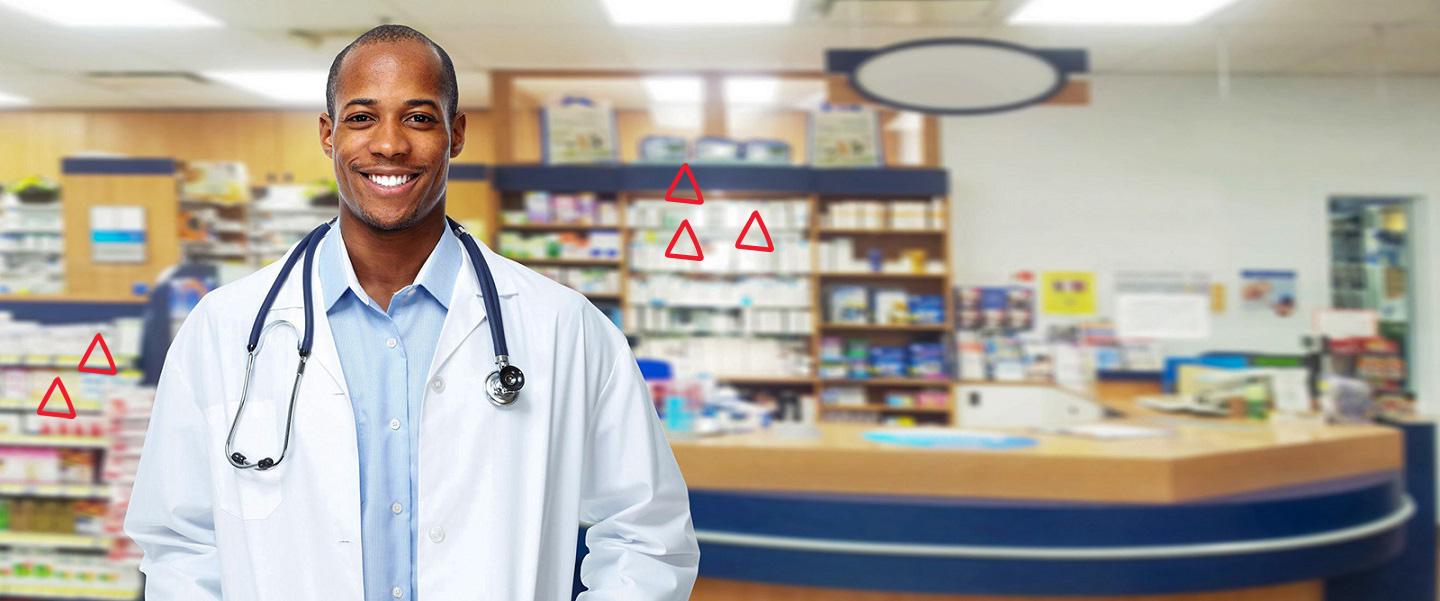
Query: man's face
389, 139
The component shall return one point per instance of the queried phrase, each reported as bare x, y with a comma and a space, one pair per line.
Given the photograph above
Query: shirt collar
436, 276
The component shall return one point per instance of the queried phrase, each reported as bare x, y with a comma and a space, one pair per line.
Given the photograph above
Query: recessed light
1116, 12
12, 100
751, 90
700, 12
676, 117
673, 89
293, 87
113, 13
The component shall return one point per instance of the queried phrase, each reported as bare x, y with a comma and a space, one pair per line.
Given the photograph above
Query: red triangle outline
65, 393
670, 192
104, 347
755, 218
670, 250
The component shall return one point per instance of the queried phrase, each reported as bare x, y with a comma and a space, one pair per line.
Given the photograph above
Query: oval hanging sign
958, 76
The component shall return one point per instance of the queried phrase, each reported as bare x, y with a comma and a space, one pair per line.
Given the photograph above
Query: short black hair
449, 91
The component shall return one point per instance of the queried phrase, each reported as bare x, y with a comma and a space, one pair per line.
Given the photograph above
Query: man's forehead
400, 60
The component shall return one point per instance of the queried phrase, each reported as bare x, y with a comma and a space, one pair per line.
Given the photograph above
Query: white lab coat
501, 490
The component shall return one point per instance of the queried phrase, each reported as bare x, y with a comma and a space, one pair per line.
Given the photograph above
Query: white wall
1160, 173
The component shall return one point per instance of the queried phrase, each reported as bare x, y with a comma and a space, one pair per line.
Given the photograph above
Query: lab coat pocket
249, 494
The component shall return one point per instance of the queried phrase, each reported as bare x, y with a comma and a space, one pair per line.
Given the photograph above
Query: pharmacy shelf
661, 304
880, 275
81, 405
1006, 383
86, 593
834, 231
908, 382
766, 380
56, 490
559, 227
548, 262
69, 442
870, 327
76, 542
886, 409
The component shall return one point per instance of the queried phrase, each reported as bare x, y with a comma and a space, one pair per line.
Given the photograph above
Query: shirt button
438, 384
437, 535
396, 507
390, 342
394, 424
397, 592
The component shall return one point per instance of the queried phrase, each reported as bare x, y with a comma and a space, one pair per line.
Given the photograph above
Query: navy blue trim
874, 182
53, 312
1069, 60
1044, 577
469, 172
1028, 524
1125, 375
845, 60
117, 166
882, 182
559, 178
721, 177
1061, 76
1411, 576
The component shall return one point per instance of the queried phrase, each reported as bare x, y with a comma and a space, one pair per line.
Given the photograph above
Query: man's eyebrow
410, 103
361, 101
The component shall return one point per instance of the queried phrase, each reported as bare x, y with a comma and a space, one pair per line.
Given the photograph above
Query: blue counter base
1369, 538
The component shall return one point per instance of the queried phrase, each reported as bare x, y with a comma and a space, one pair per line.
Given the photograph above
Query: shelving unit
629, 187
31, 247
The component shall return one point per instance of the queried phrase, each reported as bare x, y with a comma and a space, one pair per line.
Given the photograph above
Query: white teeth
390, 181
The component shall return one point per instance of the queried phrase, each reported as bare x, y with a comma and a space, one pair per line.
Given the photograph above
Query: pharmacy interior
908, 342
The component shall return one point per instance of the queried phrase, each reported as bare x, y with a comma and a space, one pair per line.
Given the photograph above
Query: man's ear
457, 135
327, 133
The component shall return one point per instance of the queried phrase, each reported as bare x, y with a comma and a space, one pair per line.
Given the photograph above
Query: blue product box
928, 309
927, 360
887, 361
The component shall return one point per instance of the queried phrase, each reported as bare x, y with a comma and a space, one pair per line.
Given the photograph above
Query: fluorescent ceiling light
12, 100
1116, 12
700, 12
673, 117
293, 87
114, 13
673, 89
751, 90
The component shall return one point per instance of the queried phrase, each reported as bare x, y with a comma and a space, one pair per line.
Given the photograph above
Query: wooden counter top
1204, 458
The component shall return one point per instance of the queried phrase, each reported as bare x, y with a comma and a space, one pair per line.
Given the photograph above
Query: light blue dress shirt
386, 356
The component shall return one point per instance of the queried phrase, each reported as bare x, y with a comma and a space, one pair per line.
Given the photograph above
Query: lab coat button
437, 535
390, 342
438, 385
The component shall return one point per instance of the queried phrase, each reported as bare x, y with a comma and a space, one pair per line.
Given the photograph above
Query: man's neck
384, 262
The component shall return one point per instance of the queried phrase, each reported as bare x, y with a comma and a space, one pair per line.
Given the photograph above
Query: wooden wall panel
32, 142
157, 193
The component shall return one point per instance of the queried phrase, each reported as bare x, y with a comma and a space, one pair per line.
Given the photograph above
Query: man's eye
423, 118
356, 118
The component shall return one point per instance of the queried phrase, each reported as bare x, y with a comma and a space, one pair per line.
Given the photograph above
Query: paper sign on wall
1068, 292
577, 130
845, 136
1163, 316
117, 234
1268, 290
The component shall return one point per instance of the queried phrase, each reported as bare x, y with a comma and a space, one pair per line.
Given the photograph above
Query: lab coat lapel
290, 303
467, 308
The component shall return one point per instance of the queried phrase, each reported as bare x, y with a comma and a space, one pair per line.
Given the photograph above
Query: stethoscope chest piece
503, 385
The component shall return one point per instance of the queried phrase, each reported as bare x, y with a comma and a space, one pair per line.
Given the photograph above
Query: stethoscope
502, 385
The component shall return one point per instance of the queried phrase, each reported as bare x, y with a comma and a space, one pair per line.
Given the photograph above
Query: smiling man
398, 478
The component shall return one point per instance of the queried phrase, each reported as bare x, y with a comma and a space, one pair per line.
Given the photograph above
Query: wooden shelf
1006, 383
842, 231
569, 262
887, 409
910, 382
877, 275
767, 380
870, 327
558, 227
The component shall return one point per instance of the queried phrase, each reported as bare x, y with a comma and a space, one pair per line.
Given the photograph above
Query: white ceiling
49, 64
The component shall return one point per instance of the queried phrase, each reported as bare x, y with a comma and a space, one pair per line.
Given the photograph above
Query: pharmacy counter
1279, 510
